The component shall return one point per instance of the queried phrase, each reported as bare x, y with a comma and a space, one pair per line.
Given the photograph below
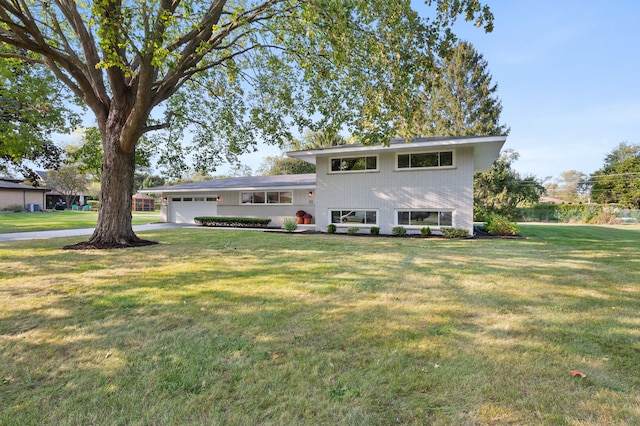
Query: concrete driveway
37, 235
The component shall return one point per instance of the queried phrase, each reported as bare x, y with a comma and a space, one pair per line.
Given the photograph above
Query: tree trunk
114, 229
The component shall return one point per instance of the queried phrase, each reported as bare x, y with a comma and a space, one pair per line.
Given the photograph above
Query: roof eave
396, 145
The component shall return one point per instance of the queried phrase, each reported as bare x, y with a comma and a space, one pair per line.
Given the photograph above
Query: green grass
67, 219
244, 327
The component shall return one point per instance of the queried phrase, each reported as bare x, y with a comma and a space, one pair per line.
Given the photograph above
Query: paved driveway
18, 236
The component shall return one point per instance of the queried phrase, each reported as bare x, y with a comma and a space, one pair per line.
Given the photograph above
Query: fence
578, 213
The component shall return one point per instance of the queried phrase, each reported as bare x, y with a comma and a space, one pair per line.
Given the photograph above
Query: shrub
500, 225
290, 224
95, 204
425, 232
331, 228
352, 230
16, 208
399, 231
236, 222
374, 230
455, 232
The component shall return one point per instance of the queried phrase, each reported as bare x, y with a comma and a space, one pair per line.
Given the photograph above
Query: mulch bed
86, 245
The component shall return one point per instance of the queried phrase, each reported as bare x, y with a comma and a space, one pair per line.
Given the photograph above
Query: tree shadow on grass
317, 331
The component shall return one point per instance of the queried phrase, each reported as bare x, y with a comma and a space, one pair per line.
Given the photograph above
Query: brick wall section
389, 189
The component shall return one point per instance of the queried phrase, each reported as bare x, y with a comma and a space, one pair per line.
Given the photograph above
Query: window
198, 199
176, 199
354, 217
266, 197
211, 199
424, 218
425, 160
187, 199
354, 164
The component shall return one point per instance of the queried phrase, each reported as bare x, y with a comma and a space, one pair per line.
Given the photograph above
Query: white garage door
184, 208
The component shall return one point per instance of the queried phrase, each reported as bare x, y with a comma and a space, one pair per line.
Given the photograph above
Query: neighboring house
417, 183
53, 196
14, 193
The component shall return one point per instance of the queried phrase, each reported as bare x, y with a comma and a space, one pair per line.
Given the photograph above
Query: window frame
439, 212
365, 170
366, 212
265, 195
438, 167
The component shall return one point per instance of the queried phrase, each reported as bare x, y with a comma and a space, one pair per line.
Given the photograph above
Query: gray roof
9, 184
241, 183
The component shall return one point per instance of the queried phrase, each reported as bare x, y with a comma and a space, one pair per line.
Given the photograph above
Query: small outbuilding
143, 203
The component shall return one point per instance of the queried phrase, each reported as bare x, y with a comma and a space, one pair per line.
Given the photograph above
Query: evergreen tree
461, 101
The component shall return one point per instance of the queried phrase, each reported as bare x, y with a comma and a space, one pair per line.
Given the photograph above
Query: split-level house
417, 183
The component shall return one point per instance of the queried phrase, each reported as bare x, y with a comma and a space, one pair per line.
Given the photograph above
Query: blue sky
568, 75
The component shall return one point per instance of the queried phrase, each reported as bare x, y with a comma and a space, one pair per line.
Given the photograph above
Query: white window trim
359, 225
332, 172
265, 197
407, 169
452, 211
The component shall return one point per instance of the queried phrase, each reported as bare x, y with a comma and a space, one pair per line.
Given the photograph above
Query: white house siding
229, 205
388, 190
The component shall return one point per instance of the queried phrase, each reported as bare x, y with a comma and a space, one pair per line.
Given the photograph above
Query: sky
568, 75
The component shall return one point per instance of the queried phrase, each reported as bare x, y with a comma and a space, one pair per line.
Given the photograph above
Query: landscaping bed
233, 222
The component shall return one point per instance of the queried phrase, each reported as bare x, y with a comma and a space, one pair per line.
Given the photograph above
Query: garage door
184, 209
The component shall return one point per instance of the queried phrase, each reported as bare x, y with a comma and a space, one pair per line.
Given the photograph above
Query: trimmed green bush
331, 228
352, 230
236, 222
500, 225
425, 232
399, 231
374, 230
455, 232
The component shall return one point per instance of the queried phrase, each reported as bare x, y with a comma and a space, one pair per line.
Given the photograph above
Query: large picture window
266, 197
354, 164
424, 218
425, 160
354, 217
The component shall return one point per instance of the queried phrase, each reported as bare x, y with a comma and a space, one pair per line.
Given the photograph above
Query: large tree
460, 99
32, 107
241, 70
572, 187
501, 189
618, 181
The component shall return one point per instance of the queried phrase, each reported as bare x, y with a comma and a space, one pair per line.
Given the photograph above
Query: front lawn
67, 219
221, 327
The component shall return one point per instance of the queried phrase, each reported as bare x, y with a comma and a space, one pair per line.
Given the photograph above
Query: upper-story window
354, 164
423, 160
